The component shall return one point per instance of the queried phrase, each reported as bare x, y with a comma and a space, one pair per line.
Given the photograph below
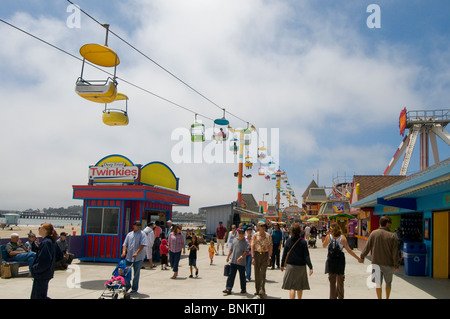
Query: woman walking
176, 244
294, 260
43, 266
335, 264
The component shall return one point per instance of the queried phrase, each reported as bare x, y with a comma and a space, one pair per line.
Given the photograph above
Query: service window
102, 220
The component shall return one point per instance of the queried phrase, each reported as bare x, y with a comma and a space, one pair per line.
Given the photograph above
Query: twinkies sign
113, 172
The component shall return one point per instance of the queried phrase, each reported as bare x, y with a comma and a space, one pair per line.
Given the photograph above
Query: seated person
18, 252
33, 243
67, 257
118, 280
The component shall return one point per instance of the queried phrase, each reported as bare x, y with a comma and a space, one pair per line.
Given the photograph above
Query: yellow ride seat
99, 91
105, 92
113, 118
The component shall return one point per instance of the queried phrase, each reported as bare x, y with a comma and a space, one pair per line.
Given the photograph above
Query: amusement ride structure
425, 125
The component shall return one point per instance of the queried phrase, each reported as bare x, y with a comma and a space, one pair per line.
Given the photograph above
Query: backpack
334, 250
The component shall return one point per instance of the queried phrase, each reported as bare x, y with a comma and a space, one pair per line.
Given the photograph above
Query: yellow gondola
248, 162
116, 117
99, 91
262, 153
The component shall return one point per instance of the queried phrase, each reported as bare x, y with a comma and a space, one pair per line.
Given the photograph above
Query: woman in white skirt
295, 259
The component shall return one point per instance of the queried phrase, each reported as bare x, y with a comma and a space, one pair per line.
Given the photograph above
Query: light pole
242, 143
261, 210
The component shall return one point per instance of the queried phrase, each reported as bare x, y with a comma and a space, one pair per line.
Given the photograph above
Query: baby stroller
312, 242
116, 285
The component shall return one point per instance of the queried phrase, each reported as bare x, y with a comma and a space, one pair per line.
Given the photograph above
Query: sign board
402, 121
113, 172
338, 208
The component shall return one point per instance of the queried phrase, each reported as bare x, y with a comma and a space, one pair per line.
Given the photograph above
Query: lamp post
262, 204
242, 132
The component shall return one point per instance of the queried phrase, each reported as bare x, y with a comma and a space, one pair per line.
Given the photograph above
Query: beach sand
23, 230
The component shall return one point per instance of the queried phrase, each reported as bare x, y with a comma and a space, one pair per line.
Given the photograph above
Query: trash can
415, 258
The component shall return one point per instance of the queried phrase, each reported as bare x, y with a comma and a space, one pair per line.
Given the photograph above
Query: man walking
277, 235
221, 232
261, 255
148, 231
385, 260
239, 249
134, 253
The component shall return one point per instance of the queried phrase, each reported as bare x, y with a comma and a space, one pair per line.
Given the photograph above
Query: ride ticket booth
118, 194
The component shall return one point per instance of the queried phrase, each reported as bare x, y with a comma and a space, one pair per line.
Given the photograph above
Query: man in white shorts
148, 231
221, 232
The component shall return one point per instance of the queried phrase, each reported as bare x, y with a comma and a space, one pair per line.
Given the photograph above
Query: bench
14, 265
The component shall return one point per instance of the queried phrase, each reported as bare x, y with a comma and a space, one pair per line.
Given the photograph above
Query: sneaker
190, 276
243, 291
227, 292
196, 273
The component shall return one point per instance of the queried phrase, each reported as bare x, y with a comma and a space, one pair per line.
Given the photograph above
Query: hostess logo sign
113, 172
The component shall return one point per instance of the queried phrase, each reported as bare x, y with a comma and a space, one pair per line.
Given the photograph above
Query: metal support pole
424, 148
241, 165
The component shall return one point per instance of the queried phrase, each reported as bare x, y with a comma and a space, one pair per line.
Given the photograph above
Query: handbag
287, 256
5, 271
226, 270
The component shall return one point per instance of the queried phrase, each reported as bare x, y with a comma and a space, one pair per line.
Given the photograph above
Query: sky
322, 81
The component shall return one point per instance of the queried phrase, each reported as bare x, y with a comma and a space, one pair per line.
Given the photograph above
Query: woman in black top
43, 266
295, 258
335, 264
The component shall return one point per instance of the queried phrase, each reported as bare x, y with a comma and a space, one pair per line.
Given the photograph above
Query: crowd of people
267, 245
261, 248
43, 257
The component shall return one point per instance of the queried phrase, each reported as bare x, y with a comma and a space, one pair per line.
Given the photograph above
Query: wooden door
441, 245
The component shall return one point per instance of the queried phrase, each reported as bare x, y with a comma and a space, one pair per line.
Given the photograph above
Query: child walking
164, 250
193, 247
212, 251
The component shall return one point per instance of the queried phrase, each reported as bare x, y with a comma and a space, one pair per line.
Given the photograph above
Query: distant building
231, 214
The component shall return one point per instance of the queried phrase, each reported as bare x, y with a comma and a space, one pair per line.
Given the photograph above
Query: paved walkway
156, 283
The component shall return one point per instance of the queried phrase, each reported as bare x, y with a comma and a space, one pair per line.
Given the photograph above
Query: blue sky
312, 69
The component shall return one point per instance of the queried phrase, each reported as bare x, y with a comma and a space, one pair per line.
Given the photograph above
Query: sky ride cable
157, 64
104, 71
